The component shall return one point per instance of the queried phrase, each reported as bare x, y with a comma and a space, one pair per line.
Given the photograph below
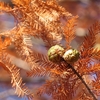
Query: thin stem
83, 81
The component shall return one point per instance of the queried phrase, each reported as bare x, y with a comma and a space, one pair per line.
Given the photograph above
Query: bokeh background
88, 12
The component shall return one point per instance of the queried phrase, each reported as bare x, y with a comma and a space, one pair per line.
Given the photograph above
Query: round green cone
55, 53
71, 56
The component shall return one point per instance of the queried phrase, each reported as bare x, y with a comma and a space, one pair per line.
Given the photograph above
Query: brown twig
82, 80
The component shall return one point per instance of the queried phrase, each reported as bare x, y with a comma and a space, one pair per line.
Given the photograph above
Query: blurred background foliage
88, 12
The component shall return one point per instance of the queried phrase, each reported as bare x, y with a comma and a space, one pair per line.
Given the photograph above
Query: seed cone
55, 53
71, 55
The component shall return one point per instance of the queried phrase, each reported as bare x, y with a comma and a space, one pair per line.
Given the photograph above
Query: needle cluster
43, 19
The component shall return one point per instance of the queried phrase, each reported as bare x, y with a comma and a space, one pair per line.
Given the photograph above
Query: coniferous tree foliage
67, 68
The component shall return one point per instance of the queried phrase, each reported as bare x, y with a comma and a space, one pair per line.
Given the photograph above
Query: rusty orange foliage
42, 19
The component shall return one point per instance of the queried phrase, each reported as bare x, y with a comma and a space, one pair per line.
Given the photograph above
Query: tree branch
82, 81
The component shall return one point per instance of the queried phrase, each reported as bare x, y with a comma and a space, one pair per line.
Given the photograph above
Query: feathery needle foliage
68, 75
